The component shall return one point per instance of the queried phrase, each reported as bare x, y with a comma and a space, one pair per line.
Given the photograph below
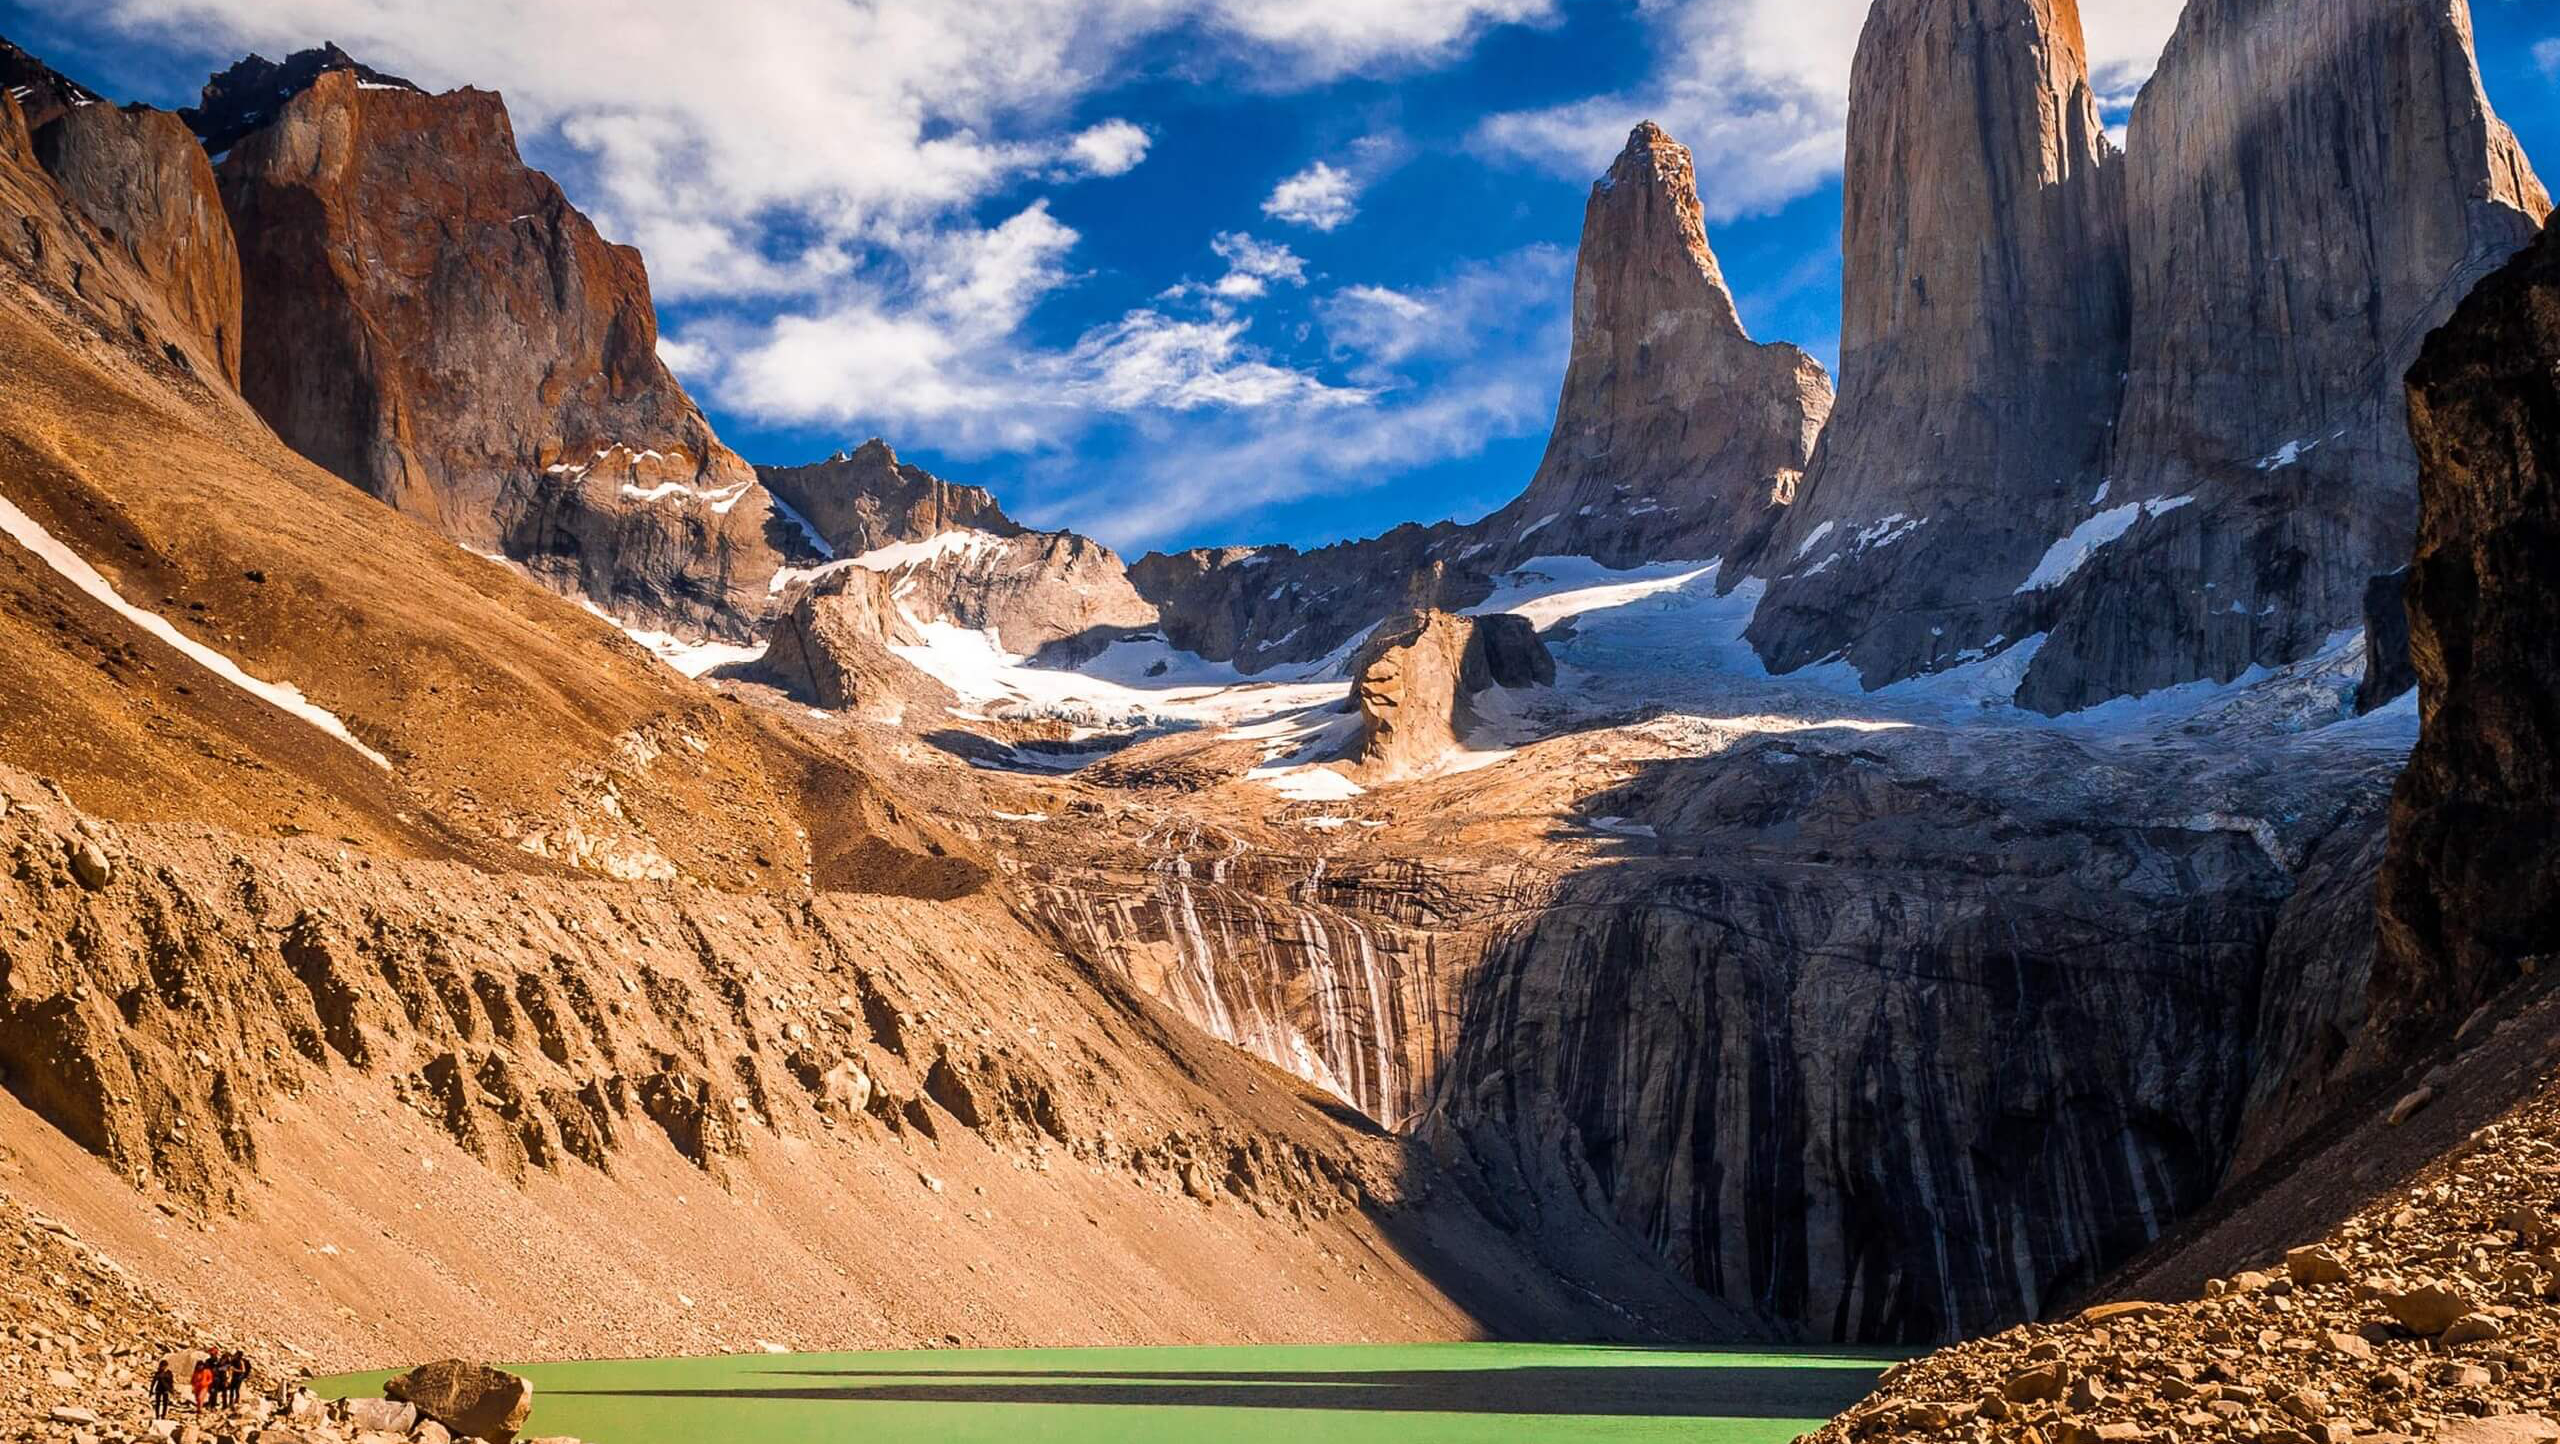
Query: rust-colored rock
1420, 681
139, 174
391, 241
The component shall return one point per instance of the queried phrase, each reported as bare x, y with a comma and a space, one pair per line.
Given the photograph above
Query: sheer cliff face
140, 176
392, 240
1676, 433
1982, 338
2471, 890
2310, 190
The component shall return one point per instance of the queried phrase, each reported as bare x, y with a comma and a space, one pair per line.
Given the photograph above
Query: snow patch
2085, 541
283, 696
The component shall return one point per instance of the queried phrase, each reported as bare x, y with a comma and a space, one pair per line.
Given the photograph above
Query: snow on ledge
283, 696
2066, 556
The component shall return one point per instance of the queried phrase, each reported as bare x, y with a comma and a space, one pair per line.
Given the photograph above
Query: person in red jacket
203, 1380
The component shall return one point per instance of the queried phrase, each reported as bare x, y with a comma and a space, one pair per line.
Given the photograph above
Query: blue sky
1173, 272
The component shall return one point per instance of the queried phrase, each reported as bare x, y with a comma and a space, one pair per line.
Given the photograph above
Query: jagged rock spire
1982, 340
1674, 427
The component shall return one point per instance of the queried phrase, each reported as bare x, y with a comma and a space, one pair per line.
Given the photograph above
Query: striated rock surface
1676, 435
2310, 189
1418, 681
2471, 892
1982, 340
391, 241
139, 175
473, 1400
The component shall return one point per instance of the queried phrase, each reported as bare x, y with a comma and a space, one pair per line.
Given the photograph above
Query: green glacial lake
1412, 1394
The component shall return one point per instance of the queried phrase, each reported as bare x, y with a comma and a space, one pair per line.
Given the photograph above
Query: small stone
2500, 1429
2034, 1386
89, 864
2472, 1329
2314, 1266
2352, 1346
2409, 1104
2429, 1310
2307, 1405
2087, 1393
71, 1414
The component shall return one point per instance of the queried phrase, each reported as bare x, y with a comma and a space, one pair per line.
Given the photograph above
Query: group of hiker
214, 1377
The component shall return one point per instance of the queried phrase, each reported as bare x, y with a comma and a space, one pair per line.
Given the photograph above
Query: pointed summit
1675, 428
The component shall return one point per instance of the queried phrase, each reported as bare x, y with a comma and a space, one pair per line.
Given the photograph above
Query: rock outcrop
1982, 340
1273, 607
2310, 190
2470, 896
1676, 435
391, 241
139, 175
1418, 683
829, 645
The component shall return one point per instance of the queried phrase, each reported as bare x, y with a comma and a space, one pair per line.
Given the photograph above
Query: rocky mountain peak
1675, 430
2309, 191
391, 240
254, 91
860, 500
41, 91
1417, 681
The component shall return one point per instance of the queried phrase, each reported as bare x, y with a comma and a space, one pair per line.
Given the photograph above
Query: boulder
467, 1398
2429, 1309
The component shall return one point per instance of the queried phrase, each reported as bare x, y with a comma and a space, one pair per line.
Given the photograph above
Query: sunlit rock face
392, 241
140, 177
1982, 341
2310, 190
1677, 435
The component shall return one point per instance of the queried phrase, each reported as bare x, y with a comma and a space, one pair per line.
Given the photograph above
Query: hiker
202, 1380
164, 1389
239, 1375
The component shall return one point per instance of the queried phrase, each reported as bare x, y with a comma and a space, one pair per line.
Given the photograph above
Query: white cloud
1439, 372
2546, 54
1320, 197
1252, 266
1112, 148
1150, 361
1759, 91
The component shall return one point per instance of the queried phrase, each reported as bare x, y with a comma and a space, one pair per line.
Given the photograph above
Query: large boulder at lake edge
469, 1399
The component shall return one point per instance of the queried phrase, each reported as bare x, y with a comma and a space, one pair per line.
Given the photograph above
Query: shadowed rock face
1981, 344
1274, 606
2310, 189
391, 241
41, 91
1676, 433
140, 176
2472, 885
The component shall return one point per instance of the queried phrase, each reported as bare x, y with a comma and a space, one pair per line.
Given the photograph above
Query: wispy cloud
2546, 54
